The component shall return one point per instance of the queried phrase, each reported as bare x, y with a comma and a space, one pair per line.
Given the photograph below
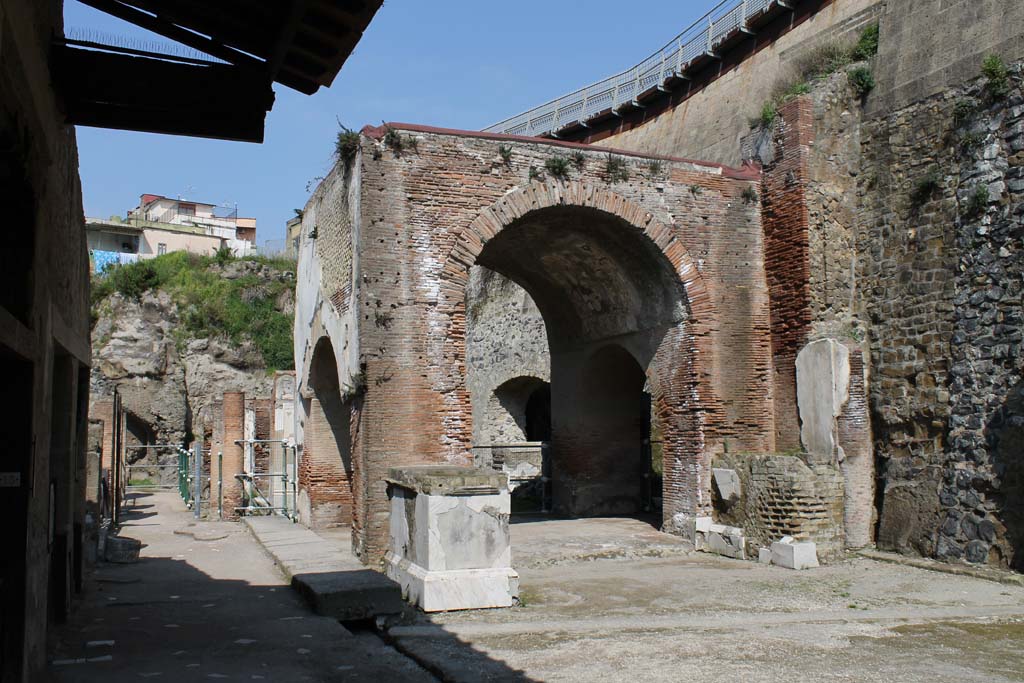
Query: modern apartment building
159, 225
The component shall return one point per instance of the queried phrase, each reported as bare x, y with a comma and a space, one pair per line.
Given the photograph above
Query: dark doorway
601, 421
538, 414
16, 433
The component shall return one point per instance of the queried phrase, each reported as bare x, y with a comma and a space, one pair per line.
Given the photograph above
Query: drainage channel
377, 630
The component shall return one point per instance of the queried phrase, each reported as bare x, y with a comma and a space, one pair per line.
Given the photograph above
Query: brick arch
679, 372
470, 241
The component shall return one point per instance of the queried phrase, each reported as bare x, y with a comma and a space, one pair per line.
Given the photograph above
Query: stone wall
709, 122
929, 45
946, 320
44, 343
505, 342
785, 495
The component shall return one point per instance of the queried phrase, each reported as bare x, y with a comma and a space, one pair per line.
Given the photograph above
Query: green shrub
994, 69
393, 139
347, 144
749, 195
977, 201
133, 279
769, 112
505, 152
800, 87
925, 187
867, 44
823, 60
970, 140
861, 80
615, 170
535, 173
963, 111
558, 167
579, 160
223, 256
654, 168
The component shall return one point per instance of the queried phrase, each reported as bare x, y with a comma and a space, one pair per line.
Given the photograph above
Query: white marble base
795, 555
453, 589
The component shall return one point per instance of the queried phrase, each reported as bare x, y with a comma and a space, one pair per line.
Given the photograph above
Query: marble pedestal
450, 546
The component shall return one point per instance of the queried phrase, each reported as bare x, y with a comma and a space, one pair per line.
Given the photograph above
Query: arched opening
614, 311
325, 471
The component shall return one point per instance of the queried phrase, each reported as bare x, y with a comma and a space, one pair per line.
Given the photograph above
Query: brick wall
234, 430
324, 475
782, 495
787, 257
858, 464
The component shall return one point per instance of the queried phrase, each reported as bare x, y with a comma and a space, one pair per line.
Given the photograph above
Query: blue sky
455, 63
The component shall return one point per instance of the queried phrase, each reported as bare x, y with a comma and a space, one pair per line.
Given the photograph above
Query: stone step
325, 574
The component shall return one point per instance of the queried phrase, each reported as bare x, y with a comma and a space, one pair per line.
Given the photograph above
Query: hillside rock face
167, 379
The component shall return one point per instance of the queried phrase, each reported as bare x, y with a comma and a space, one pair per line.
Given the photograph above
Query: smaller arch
325, 469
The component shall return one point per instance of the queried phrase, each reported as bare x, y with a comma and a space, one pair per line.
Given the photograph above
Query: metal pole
295, 479
197, 496
220, 485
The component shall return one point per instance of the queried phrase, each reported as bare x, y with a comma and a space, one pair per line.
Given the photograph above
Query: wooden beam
169, 30
217, 101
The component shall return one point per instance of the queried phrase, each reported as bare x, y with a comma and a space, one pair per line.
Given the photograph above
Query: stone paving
200, 610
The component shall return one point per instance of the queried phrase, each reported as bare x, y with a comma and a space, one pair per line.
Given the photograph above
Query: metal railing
670, 62
274, 491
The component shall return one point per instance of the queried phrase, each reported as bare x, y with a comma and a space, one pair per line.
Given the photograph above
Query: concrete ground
604, 600
613, 599
206, 603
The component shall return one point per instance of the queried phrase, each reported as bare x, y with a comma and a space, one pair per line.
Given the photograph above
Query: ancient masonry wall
416, 204
505, 340
44, 340
326, 483
941, 223
785, 495
783, 151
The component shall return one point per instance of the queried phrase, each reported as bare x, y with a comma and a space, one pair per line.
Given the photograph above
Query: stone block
720, 539
794, 555
764, 555
450, 546
728, 484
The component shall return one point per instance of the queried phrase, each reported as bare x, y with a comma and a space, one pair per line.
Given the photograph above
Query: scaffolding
190, 481
269, 482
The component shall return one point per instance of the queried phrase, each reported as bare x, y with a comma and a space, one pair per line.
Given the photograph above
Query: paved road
213, 609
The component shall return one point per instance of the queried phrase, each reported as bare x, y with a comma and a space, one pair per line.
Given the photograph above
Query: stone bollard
450, 545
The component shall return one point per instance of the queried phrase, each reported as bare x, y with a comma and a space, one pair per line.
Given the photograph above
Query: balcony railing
696, 43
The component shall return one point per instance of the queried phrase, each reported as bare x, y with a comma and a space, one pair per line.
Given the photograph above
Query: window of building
161, 248
186, 209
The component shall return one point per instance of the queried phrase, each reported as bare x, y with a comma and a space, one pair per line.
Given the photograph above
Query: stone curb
332, 583
1008, 578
